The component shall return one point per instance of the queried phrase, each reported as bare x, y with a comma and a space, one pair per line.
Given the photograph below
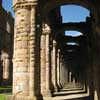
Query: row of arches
45, 57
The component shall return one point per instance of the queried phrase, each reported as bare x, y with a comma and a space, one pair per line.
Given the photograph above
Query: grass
2, 97
5, 89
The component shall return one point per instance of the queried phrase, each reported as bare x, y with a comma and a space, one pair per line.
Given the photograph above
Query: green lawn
2, 97
5, 89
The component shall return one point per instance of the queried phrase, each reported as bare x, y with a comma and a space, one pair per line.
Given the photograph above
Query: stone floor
71, 92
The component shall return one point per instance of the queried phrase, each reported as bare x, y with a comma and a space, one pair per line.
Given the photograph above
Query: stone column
54, 66
21, 51
34, 57
66, 72
45, 61
73, 80
25, 74
60, 72
70, 77
48, 72
58, 68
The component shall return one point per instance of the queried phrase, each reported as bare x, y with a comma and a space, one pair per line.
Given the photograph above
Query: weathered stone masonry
41, 58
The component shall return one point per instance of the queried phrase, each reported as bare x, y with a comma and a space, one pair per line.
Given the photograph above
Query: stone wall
6, 46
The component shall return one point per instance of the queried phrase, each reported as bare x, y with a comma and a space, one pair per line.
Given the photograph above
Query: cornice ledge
25, 4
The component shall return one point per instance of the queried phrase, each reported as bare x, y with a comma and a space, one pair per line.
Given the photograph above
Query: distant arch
56, 3
73, 33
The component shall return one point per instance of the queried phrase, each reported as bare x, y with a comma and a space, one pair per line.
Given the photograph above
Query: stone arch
50, 5
74, 27
79, 33
55, 3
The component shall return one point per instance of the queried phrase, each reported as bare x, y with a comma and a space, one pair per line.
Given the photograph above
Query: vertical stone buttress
24, 59
54, 66
45, 61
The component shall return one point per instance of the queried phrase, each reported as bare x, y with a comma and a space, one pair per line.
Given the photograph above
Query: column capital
19, 4
58, 50
54, 43
46, 29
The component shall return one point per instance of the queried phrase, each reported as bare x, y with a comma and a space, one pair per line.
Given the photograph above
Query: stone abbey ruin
36, 63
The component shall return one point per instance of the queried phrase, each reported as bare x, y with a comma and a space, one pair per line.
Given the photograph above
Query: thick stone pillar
21, 51
25, 67
54, 66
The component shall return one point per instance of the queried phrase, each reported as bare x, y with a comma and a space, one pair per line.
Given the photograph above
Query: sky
73, 13
70, 13
7, 4
73, 33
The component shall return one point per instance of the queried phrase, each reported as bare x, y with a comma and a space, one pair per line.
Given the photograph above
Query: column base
56, 89
47, 93
59, 86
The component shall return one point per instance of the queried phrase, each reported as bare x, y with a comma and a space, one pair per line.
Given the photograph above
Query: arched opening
71, 22
74, 13
72, 43
56, 59
73, 33
53, 4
